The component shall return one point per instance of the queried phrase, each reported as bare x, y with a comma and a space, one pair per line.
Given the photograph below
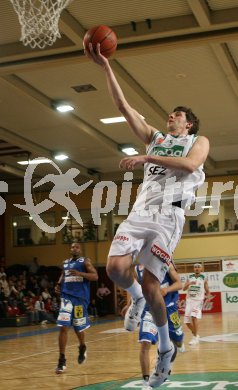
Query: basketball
103, 35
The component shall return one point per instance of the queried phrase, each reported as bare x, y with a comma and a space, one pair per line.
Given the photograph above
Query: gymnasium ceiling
170, 52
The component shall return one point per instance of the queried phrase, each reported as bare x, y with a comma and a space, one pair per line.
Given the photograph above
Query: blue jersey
76, 286
139, 272
172, 297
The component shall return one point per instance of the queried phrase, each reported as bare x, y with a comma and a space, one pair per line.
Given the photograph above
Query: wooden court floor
28, 355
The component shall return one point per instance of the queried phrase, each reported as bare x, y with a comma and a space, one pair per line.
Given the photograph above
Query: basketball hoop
39, 21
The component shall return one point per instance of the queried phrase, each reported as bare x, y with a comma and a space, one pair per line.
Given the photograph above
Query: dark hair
191, 117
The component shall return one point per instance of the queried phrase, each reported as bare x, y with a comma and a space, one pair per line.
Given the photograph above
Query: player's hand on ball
97, 57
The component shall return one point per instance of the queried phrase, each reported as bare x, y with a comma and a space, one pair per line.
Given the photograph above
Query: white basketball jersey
163, 185
196, 290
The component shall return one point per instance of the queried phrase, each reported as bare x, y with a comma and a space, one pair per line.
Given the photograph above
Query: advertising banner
230, 265
230, 301
229, 281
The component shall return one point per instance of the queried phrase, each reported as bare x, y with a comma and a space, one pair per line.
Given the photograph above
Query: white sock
135, 290
164, 340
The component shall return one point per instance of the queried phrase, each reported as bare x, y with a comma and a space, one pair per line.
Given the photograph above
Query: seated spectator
32, 286
32, 312
4, 284
2, 272
44, 282
202, 228
44, 317
210, 227
27, 310
45, 294
3, 304
13, 292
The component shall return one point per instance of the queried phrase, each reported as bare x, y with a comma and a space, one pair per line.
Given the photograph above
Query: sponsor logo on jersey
121, 238
79, 321
64, 317
157, 170
66, 305
70, 279
173, 151
157, 251
159, 141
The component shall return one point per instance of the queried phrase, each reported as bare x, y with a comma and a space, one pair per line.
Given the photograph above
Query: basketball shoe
163, 367
61, 365
133, 314
194, 341
182, 348
145, 385
82, 354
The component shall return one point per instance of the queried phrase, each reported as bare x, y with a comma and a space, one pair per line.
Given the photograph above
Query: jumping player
173, 170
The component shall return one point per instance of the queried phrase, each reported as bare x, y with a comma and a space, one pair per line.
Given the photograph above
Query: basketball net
39, 20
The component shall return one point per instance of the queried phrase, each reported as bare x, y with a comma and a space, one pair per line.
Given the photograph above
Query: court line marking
53, 350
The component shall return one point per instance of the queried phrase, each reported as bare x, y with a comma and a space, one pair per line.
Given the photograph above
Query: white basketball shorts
193, 309
154, 238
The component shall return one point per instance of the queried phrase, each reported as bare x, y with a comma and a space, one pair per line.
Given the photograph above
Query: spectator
4, 284
45, 294
2, 272
3, 304
34, 266
202, 228
32, 312
44, 317
210, 227
44, 282
102, 293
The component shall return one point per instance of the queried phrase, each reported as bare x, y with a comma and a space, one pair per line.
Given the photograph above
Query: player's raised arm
134, 119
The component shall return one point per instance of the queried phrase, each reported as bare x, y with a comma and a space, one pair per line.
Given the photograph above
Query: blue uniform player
148, 333
74, 286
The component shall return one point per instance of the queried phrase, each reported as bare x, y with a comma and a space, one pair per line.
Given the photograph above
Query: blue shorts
149, 332
175, 327
73, 311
